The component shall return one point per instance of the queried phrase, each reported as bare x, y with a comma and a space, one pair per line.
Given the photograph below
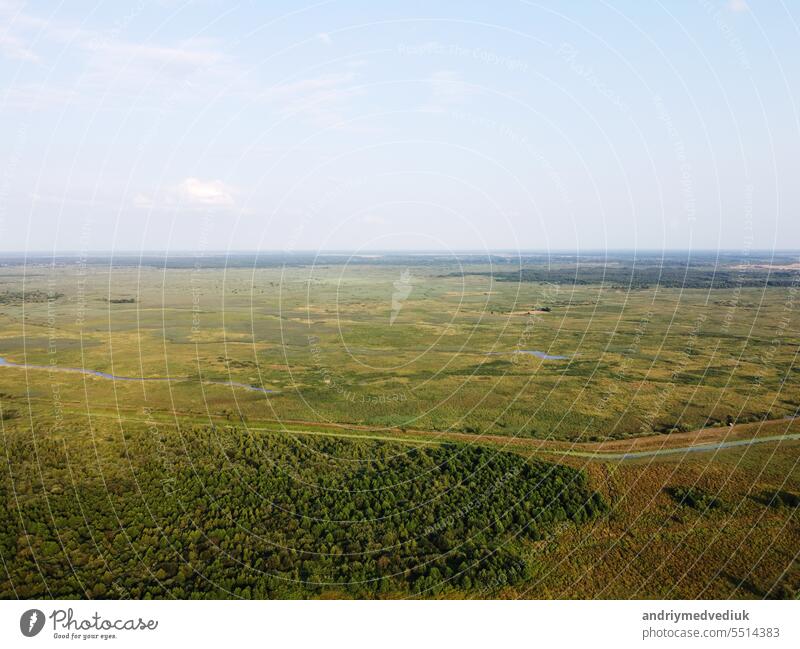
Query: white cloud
143, 201
34, 96
738, 6
204, 193
447, 90
110, 64
373, 219
12, 48
189, 194
124, 63
305, 88
321, 99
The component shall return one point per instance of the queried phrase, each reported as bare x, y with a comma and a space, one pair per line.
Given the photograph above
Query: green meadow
270, 428
638, 361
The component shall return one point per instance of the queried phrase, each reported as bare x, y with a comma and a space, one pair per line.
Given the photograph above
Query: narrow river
138, 379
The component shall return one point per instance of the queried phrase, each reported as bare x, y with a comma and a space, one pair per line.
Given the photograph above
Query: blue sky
395, 125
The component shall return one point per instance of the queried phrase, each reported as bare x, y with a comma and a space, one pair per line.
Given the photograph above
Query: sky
357, 125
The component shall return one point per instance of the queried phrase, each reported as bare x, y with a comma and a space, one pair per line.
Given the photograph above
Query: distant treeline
497, 260
641, 277
28, 297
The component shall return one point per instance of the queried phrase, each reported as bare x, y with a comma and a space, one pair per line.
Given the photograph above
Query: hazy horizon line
340, 251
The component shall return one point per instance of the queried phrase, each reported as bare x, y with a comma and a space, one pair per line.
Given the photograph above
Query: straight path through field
589, 450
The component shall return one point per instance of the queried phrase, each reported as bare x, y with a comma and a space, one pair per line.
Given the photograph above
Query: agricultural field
400, 426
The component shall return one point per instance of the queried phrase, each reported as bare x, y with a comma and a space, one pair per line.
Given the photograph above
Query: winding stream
138, 379
533, 352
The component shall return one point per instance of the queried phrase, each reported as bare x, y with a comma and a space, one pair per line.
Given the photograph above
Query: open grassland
319, 338
385, 430
736, 536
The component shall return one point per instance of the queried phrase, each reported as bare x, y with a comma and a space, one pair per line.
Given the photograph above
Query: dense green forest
212, 512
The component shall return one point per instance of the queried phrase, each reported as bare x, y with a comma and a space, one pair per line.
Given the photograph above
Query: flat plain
400, 425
